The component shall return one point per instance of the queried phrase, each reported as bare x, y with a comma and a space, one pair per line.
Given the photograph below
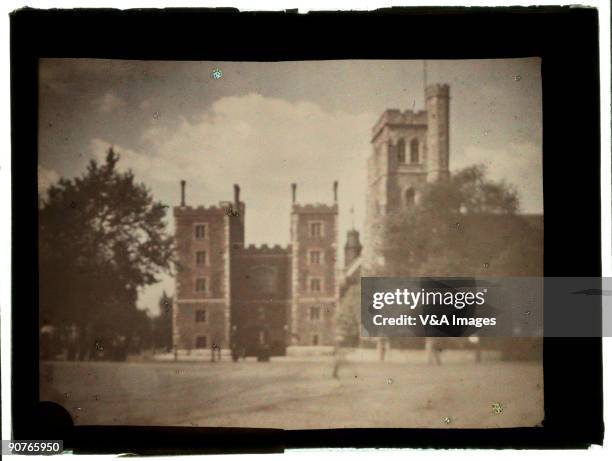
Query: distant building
224, 288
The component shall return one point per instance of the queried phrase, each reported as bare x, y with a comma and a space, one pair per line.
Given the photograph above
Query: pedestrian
47, 341
215, 352
339, 356
432, 345
382, 348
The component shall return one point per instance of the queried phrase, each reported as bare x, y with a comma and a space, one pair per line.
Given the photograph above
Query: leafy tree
102, 237
142, 335
465, 226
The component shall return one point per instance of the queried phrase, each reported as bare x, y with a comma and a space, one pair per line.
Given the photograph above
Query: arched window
401, 151
414, 151
263, 280
409, 197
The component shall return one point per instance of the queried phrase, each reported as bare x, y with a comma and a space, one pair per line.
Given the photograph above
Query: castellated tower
205, 238
314, 237
408, 149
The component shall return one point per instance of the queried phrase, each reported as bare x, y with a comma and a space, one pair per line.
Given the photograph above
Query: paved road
297, 394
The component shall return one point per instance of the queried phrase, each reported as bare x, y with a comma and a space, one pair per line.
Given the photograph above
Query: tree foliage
102, 237
348, 316
465, 226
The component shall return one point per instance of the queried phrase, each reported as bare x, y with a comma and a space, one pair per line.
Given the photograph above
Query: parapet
397, 117
264, 250
200, 210
221, 209
315, 208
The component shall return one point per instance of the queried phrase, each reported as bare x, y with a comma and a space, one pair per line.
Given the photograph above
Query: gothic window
201, 258
201, 285
315, 340
200, 316
200, 231
401, 151
315, 257
316, 229
315, 285
409, 195
315, 313
414, 151
264, 279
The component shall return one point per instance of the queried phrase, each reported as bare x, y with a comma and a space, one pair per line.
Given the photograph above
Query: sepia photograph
204, 228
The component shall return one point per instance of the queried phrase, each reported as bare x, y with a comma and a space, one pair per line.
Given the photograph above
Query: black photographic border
565, 38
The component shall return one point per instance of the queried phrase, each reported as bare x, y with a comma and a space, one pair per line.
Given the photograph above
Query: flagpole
424, 75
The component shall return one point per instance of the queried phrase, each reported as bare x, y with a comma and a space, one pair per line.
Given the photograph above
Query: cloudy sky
265, 125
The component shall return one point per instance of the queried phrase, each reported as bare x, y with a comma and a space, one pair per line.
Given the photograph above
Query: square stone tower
408, 149
314, 237
205, 239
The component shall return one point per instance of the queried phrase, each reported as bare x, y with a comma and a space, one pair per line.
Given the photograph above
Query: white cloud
46, 178
110, 102
263, 144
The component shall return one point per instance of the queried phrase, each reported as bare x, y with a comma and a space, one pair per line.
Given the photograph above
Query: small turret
437, 100
352, 248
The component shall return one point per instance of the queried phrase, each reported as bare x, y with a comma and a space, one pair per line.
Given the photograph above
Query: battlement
315, 208
221, 209
264, 250
441, 90
397, 117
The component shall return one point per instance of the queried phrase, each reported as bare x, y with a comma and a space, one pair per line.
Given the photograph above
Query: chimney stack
183, 192
335, 191
293, 191
237, 196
